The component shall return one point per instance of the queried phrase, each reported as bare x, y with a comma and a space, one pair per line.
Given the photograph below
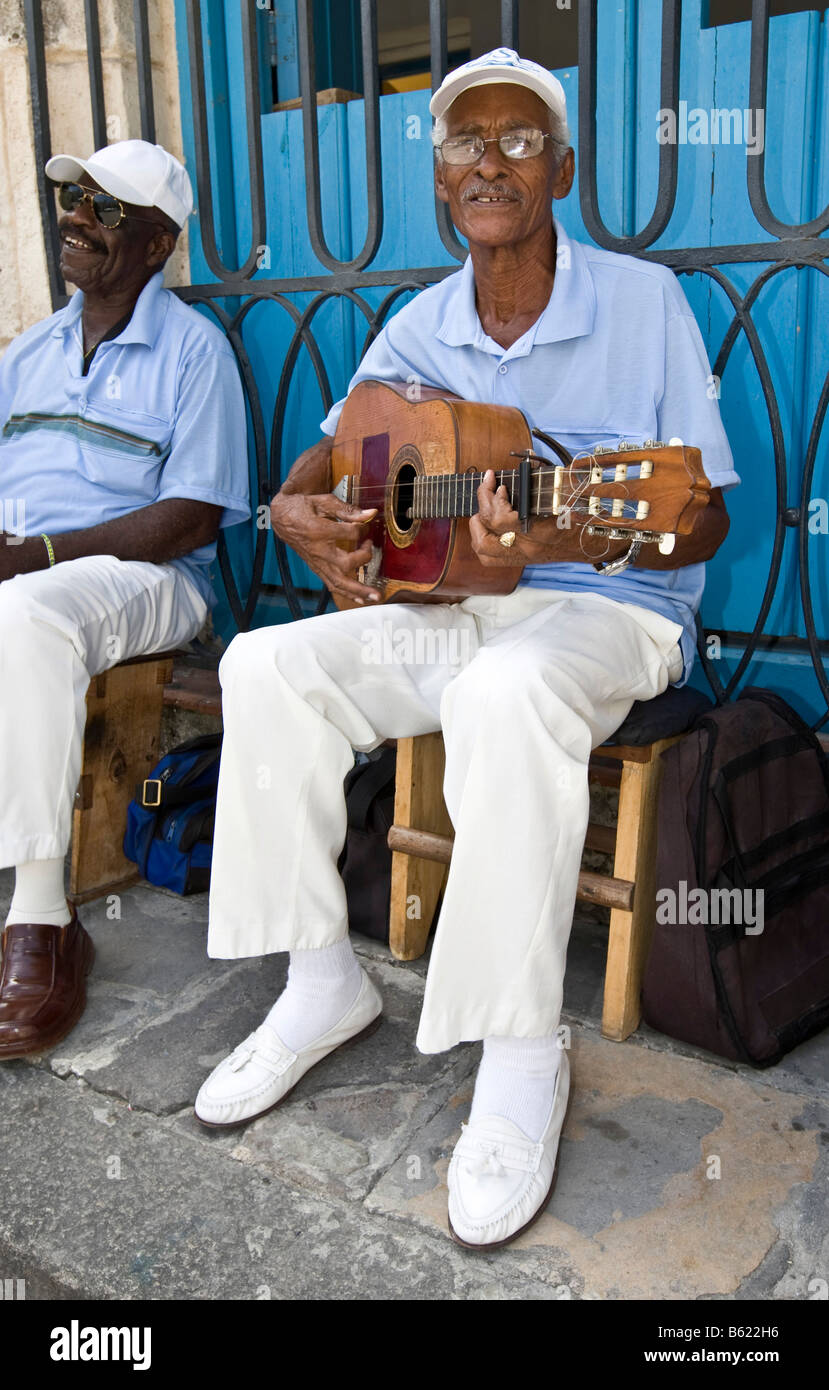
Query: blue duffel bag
170, 822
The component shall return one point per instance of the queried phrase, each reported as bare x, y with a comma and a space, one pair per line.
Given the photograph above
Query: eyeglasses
107, 209
515, 144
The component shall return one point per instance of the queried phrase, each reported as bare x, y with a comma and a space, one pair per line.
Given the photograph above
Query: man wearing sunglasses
122, 452
592, 347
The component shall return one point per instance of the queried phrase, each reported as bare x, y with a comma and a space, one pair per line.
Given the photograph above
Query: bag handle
793, 719
378, 775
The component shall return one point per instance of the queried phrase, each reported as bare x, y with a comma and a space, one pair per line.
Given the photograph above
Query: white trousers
58, 628
523, 687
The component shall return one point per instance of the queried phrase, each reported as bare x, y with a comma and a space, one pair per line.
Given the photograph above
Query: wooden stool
123, 725
421, 841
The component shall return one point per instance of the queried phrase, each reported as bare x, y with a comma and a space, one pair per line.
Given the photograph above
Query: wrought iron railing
794, 245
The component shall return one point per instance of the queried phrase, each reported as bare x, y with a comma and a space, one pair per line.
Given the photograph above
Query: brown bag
742, 966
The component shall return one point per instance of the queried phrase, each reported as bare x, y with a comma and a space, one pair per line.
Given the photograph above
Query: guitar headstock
658, 487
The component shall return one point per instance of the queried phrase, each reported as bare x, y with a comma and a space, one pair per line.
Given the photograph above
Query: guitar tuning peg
653, 444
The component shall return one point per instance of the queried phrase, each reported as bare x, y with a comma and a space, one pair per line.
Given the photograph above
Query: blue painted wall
712, 208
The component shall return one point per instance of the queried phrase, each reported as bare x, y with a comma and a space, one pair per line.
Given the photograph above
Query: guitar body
383, 440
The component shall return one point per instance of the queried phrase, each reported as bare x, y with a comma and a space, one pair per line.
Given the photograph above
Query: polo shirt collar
144, 325
570, 310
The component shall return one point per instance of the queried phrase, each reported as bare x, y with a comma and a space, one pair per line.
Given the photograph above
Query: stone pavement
681, 1175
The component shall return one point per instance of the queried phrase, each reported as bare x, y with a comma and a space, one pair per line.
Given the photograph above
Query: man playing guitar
592, 347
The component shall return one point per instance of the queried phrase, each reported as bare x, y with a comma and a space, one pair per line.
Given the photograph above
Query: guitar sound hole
403, 497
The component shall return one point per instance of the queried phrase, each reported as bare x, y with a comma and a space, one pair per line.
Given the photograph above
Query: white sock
517, 1080
39, 894
322, 985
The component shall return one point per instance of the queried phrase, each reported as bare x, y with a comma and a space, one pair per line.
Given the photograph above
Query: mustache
486, 190
68, 228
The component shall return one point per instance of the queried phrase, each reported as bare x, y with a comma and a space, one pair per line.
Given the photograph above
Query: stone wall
24, 288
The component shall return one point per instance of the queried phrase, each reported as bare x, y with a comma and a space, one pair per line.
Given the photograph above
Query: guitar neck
456, 494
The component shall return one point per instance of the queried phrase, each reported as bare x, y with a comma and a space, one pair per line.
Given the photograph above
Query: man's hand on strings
316, 527
496, 517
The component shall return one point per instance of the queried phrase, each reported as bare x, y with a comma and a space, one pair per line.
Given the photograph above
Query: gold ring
507, 539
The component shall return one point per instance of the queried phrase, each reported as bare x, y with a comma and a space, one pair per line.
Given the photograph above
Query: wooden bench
121, 746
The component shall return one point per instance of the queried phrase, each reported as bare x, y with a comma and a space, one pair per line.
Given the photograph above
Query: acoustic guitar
420, 463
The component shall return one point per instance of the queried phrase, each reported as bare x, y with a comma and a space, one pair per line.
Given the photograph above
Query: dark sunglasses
107, 209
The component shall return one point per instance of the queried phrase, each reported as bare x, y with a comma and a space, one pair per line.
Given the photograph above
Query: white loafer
260, 1072
499, 1180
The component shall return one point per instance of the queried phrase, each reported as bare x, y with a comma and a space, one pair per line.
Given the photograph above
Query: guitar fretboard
456, 494
552, 490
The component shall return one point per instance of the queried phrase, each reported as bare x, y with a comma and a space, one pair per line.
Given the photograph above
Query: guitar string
577, 490
436, 488
582, 548
432, 501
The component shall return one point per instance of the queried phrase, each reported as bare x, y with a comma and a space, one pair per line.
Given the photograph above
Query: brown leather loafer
42, 984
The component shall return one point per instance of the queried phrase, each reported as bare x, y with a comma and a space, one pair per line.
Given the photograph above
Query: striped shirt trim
85, 431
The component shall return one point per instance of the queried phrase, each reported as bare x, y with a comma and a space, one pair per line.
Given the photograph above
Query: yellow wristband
49, 548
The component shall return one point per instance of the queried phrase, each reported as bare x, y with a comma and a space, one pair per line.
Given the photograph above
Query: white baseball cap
501, 65
135, 172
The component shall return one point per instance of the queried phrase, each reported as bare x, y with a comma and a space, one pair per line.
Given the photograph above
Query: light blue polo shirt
160, 414
616, 354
